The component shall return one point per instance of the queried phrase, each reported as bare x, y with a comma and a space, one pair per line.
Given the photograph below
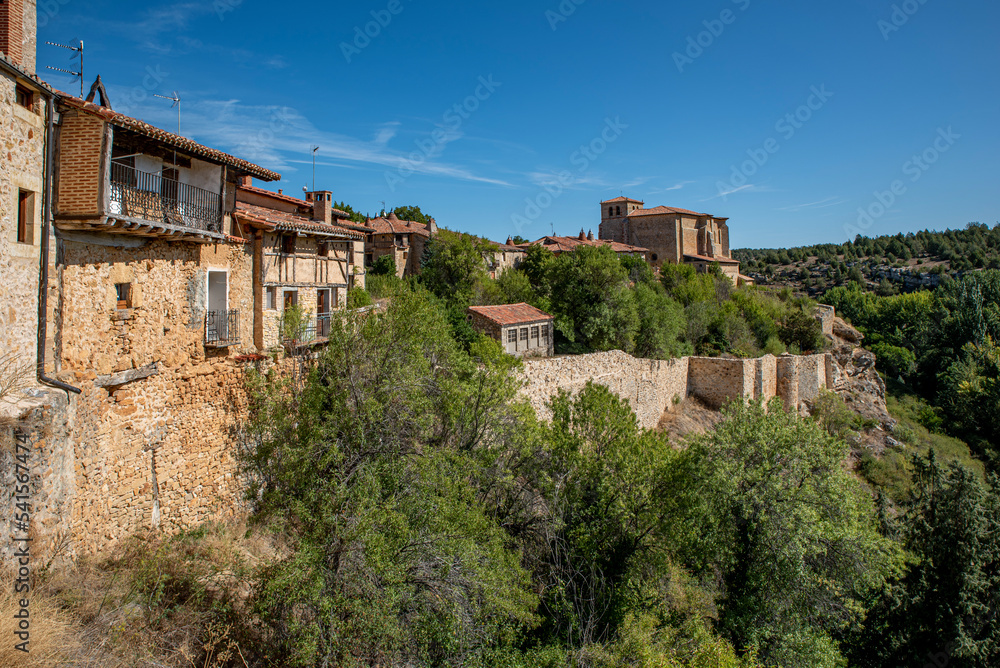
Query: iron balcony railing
152, 197
317, 328
222, 328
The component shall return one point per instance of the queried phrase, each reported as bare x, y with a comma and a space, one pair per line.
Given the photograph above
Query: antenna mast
176, 103
314, 149
78, 50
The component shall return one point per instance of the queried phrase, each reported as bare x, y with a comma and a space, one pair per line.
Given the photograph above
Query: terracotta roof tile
665, 210
570, 244
281, 220
393, 225
621, 199
169, 138
705, 258
510, 314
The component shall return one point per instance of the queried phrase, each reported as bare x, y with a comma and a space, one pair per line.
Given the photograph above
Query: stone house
505, 256
404, 240
522, 330
305, 253
560, 245
24, 132
672, 235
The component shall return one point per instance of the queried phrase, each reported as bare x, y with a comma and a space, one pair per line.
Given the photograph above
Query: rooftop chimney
432, 226
18, 32
246, 182
583, 237
393, 216
590, 235
322, 201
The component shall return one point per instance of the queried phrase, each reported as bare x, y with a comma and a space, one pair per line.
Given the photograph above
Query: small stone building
404, 240
522, 330
305, 254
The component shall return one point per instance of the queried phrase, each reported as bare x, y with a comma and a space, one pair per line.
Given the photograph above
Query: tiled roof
393, 225
570, 244
291, 200
665, 210
17, 70
169, 138
621, 199
281, 220
705, 258
511, 314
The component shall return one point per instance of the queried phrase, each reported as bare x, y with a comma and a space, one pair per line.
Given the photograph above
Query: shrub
358, 298
383, 266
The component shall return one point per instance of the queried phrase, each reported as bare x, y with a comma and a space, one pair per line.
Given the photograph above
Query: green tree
661, 324
943, 611
412, 213
591, 300
789, 530
454, 266
367, 469
384, 265
516, 288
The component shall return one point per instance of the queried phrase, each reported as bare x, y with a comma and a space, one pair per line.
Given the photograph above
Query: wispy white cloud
567, 180
386, 133
822, 204
748, 188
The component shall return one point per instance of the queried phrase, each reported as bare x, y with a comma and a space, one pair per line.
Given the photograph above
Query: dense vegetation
603, 302
432, 520
942, 343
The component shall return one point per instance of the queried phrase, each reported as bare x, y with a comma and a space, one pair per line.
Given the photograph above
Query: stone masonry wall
22, 138
653, 386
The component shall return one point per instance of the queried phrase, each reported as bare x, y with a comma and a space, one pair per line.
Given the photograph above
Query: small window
272, 298
511, 336
25, 216
25, 97
323, 250
655, 257
545, 332
534, 333
123, 292
288, 244
399, 239
524, 333
291, 298
611, 211
618, 211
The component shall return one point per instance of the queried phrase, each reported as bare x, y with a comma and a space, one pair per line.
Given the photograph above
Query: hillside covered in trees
890, 263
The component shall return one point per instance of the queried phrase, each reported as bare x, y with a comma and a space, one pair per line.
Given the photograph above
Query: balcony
154, 198
222, 329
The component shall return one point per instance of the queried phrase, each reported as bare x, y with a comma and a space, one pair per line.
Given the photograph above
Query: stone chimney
322, 201
510, 241
245, 182
393, 216
19, 32
432, 226
583, 237
590, 235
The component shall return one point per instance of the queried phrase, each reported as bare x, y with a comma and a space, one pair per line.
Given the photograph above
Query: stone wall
654, 386
22, 144
651, 386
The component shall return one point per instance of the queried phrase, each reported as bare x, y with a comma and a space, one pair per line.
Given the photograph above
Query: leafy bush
358, 298
384, 265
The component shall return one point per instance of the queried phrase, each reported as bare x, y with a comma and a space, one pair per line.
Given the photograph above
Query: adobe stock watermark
787, 127
582, 158
363, 36
444, 132
562, 13
254, 148
698, 44
914, 168
152, 81
48, 10
900, 16
20, 535
223, 7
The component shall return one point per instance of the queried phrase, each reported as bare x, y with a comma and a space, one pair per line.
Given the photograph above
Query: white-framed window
511, 336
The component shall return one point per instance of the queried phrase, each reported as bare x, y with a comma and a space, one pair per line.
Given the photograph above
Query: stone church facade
672, 235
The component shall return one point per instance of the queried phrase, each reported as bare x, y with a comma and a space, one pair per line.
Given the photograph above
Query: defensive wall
654, 386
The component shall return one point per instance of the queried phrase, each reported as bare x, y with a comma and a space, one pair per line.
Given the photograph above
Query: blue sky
518, 117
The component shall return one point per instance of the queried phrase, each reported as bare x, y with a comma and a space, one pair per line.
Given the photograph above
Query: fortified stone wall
654, 386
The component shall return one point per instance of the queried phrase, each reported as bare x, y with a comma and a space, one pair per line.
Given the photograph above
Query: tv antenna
314, 149
77, 51
176, 103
